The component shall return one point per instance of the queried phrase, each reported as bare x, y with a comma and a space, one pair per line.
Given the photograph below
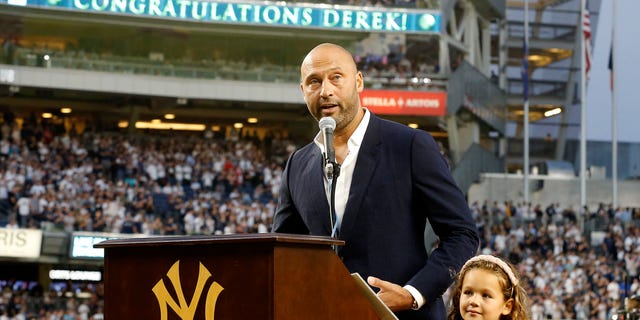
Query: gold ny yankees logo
181, 308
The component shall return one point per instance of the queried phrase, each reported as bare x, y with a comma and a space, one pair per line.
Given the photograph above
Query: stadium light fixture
169, 116
170, 126
65, 110
252, 120
539, 60
413, 125
552, 112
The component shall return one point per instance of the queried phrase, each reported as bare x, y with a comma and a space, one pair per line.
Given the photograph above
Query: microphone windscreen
327, 123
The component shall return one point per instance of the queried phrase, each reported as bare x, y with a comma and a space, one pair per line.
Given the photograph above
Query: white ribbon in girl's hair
503, 265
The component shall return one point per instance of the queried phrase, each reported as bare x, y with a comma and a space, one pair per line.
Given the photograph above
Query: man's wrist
418, 299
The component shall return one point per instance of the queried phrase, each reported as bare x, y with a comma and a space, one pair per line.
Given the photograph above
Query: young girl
488, 288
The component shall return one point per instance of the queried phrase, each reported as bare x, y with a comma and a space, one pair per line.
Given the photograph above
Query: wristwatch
414, 305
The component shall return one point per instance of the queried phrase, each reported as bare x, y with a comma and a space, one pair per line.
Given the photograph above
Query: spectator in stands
99, 222
331, 85
129, 226
170, 227
157, 228
13, 223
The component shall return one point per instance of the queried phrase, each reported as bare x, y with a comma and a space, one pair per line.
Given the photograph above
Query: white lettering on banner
154, 8
391, 23
229, 14
361, 21
379, 102
75, 275
404, 102
423, 103
307, 17
331, 18
7, 75
384, 102
260, 12
20, 243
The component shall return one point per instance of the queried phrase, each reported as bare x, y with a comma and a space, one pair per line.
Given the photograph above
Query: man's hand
394, 296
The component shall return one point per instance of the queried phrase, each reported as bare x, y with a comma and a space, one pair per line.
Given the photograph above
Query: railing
547, 189
539, 88
210, 69
469, 88
542, 31
544, 81
565, 31
475, 160
427, 82
205, 69
540, 148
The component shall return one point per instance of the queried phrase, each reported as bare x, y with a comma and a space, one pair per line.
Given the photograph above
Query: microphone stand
332, 171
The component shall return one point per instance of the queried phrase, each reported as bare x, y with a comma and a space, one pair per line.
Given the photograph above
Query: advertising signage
82, 243
20, 243
409, 103
264, 13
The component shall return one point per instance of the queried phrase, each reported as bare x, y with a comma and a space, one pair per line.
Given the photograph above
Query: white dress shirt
343, 184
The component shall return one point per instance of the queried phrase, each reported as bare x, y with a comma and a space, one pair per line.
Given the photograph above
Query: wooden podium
244, 276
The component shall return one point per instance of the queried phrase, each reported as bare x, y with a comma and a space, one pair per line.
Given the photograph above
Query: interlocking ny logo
182, 309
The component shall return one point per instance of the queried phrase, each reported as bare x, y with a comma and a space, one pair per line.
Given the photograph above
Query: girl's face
481, 296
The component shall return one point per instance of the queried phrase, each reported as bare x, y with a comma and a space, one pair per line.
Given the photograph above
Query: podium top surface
220, 239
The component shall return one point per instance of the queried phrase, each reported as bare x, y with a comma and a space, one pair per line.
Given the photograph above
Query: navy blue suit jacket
400, 180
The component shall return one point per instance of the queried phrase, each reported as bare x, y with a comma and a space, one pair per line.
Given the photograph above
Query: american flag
586, 33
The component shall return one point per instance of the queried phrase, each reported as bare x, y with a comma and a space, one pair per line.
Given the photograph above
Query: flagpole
614, 110
525, 165
583, 112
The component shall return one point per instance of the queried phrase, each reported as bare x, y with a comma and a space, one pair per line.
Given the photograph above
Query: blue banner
262, 13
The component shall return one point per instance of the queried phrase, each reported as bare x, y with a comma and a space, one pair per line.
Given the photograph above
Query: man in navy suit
392, 179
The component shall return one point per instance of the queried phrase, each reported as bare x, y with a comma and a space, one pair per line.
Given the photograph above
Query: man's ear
359, 81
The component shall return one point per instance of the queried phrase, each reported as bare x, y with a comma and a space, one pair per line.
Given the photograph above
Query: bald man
392, 179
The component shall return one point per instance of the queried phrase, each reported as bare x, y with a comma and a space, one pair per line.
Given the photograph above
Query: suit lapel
312, 184
368, 157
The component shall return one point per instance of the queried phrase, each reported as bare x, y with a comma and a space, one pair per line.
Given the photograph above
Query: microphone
327, 125
332, 171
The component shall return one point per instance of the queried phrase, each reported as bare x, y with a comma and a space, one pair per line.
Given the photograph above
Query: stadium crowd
58, 181
152, 185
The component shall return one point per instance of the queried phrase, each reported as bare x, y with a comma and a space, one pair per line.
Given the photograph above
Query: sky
627, 72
